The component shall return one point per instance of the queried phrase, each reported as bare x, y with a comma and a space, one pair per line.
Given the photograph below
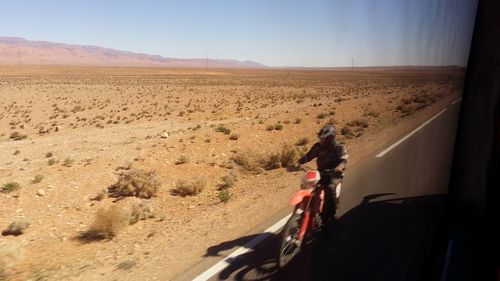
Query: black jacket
328, 157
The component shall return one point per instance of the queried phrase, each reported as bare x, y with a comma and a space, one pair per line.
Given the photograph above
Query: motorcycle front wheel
290, 246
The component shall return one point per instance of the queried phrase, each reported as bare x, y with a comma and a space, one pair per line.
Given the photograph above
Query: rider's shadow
382, 240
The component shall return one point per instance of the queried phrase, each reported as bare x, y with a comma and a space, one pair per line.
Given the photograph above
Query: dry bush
16, 228
68, 162
229, 180
191, 187
17, 136
100, 195
106, 225
135, 182
271, 161
302, 141
410, 105
278, 126
358, 123
248, 161
126, 265
354, 128
373, 113
222, 129
286, 157
347, 132
289, 155
37, 179
9, 187
183, 159
234, 136
141, 211
224, 195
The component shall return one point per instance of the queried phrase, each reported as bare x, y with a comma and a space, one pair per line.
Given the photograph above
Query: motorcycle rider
330, 155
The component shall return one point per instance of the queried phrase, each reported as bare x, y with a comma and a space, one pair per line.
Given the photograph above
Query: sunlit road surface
390, 207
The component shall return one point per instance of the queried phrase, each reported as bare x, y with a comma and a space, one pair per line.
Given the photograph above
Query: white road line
457, 100
241, 250
409, 135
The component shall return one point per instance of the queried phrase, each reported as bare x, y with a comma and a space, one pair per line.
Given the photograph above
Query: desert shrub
289, 155
270, 127
100, 195
16, 152
135, 182
302, 141
224, 195
68, 162
17, 136
272, 161
16, 228
222, 129
229, 180
321, 116
10, 186
278, 127
183, 159
234, 136
37, 179
107, 223
191, 187
141, 211
51, 161
49, 154
126, 265
247, 160
373, 113
409, 105
298, 121
358, 123
347, 132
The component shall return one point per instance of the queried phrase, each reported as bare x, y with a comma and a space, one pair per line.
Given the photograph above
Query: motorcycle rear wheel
290, 246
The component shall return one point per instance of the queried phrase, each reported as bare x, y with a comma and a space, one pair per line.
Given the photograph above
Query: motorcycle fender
300, 196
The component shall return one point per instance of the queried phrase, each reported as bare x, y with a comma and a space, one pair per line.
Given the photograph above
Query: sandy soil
95, 120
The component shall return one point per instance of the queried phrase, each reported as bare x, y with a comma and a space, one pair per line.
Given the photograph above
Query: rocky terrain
133, 173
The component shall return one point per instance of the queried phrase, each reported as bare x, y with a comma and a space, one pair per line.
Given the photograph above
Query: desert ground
132, 173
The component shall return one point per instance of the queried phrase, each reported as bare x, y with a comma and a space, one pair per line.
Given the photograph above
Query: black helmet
326, 131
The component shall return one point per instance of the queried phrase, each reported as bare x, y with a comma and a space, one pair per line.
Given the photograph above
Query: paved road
390, 209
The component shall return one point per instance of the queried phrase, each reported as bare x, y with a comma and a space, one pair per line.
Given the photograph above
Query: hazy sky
273, 32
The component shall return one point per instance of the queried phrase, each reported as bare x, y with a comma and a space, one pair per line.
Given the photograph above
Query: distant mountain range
21, 51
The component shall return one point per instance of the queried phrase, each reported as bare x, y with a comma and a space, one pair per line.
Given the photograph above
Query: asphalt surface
389, 212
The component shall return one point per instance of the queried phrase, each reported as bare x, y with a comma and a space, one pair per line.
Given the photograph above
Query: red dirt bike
305, 219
